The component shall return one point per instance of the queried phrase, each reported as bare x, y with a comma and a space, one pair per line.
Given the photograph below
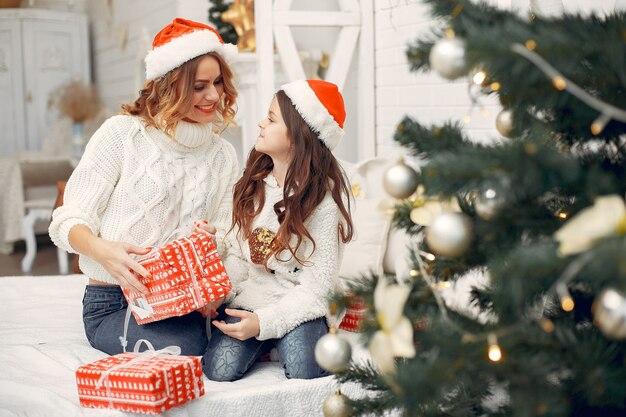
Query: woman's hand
113, 256
116, 260
205, 227
246, 328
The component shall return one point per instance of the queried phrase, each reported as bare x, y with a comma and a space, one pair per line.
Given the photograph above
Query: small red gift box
355, 314
149, 382
187, 274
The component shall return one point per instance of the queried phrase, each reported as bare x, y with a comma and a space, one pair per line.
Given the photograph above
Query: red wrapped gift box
147, 382
355, 314
187, 274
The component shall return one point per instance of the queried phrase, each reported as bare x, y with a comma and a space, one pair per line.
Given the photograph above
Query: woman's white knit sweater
135, 184
292, 294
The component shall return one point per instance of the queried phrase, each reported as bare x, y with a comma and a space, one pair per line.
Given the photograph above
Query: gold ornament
504, 122
240, 14
337, 405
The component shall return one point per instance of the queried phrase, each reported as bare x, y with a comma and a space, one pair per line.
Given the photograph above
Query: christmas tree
539, 215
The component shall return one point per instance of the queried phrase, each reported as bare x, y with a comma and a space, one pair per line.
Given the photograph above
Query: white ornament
447, 57
400, 180
332, 352
609, 314
336, 405
450, 234
504, 122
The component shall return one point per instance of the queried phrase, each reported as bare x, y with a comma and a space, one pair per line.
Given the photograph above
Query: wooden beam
310, 18
288, 53
265, 58
366, 94
340, 60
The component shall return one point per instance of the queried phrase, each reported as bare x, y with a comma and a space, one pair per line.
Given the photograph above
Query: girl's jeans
104, 312
228, 359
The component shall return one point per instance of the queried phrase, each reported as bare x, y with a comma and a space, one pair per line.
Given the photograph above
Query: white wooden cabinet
39, 51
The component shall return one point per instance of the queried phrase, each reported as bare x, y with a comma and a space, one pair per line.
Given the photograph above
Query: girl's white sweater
292, 294
136, 184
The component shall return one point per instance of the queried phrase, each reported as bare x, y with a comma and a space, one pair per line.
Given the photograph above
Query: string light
559, 83
467, 119
450, 33
494, 352
495, 86
563, 215
414, 273
530, 45
428, 256
484, 112
567, 302
547, 325
479, 77
599, 124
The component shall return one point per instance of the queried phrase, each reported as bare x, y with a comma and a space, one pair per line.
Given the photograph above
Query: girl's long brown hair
160, 99
312, 173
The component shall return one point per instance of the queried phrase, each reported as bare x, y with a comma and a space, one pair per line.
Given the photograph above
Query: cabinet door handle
29, 96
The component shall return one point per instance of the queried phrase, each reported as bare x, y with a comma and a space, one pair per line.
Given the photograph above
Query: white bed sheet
42, 343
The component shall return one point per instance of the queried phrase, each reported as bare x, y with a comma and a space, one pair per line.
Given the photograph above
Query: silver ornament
336, 405
400, 180
491, 198
450, 234
504, 122
447, 57
609, 314
333, 352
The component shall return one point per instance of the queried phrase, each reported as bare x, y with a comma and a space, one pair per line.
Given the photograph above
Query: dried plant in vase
79, 102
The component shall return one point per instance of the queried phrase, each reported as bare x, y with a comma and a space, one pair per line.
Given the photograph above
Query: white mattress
42, 343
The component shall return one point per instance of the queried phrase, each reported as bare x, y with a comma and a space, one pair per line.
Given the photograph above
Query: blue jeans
228, 359
104, 312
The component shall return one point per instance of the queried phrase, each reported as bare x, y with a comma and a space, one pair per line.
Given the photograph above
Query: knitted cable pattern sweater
292, 294
135, 184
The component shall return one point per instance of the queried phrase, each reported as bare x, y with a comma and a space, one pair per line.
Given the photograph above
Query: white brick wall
425, 96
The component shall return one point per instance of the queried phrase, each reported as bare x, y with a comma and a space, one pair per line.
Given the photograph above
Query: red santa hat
321, 106
181, 41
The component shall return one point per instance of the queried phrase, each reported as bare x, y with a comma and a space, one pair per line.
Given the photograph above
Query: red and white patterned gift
355, 314
149, 382
187, 274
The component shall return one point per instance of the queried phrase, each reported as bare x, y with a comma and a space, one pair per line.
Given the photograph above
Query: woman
146, 177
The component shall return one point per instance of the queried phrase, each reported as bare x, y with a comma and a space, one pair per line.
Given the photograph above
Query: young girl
291, 217
146, 176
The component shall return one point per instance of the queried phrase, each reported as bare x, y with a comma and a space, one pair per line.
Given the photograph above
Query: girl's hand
115, 258
243, 330
210, 310
206, 227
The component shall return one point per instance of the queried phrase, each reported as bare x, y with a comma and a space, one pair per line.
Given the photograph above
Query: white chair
39, 177
40, 209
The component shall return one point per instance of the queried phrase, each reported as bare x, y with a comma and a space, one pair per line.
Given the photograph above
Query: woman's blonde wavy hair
162, 104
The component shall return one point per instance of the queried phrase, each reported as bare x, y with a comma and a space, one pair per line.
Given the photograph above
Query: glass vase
78, 140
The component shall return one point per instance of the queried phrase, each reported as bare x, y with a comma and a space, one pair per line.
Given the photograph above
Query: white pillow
365, 253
